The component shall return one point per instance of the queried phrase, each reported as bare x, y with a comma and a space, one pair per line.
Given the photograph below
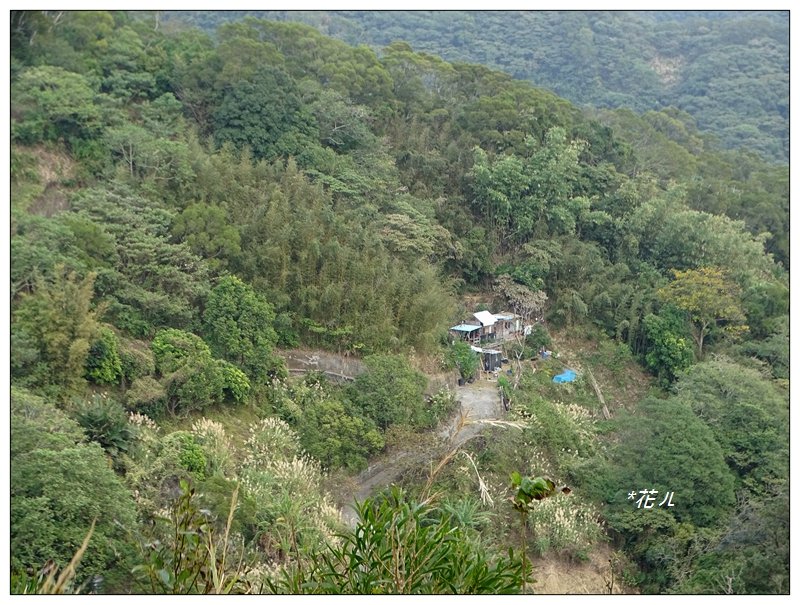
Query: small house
487, 322
467, 332
507, 326
486, 327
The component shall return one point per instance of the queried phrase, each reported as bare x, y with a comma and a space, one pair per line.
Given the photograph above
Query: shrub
390, 391
136, 360
461, 356
235, 382
565, 430
105, 422
147, 396
103, 364
192, 457
428, 551
186, 554
440, 406
293, 513
271, 438
158, 465
565, 524
538, 338
216, 446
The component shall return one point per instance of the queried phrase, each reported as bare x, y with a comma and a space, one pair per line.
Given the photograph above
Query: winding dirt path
478, 401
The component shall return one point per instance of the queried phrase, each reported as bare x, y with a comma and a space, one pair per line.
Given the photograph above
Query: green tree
774, 349
238, 325
532, 195
390, 391
337, 438
61, 325
195, 68
209, 234
54, 103
342, 125
751, 556
103, 362
191, 376
671, 236
711, 300
173, 348
666, 447
128, 68
265, 114
668, 350
151, 158
242, 50
329, 428
88, 32
59, 486
748, 416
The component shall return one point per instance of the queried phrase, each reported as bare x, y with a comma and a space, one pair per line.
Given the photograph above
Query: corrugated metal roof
486, 318
465, 328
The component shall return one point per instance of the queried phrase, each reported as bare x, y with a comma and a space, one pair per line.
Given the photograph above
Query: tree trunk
606, 413
701, 338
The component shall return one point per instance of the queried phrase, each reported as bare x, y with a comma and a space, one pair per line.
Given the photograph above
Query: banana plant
528, 491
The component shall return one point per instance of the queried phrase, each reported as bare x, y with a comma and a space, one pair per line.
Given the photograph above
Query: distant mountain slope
728, 69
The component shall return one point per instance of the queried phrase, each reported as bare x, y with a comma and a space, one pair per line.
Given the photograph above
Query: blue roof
465, 328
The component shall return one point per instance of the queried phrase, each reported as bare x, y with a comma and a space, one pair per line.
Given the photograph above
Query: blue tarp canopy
565, 376
465, 328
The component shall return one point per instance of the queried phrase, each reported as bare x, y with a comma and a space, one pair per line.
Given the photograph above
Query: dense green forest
728, 69
186, 206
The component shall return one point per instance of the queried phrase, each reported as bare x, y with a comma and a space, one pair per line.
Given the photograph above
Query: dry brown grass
555, 575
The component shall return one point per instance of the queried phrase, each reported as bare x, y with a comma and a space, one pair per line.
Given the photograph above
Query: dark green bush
105, 422
103, 363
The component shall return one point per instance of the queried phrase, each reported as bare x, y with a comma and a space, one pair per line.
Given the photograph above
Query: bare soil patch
554, 575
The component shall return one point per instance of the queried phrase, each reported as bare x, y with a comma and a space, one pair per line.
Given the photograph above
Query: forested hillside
728, 69
185, 207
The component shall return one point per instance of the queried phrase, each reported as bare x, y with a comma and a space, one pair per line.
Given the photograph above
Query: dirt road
478, 401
